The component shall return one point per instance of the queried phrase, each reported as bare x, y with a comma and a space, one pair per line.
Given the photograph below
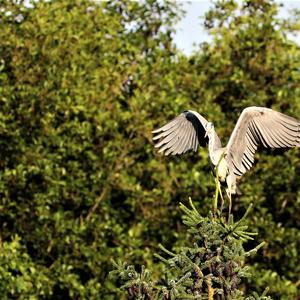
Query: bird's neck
211, 141
212, 147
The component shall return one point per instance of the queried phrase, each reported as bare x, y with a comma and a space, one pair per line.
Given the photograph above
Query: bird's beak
205, 136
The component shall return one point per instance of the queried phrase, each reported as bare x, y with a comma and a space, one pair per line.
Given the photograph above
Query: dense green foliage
82, 83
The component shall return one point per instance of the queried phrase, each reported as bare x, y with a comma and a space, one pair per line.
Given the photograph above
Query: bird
256, 126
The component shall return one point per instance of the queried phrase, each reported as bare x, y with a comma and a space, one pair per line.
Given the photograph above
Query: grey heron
255, 126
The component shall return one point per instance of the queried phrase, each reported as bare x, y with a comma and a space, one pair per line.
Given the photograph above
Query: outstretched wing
260, 126
183, 133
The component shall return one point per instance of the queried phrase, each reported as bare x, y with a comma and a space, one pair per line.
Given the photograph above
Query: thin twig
96, 204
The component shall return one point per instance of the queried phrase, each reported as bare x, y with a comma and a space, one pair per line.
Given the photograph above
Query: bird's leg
229, 209
229, 202
222, 199
215, 203
218, 187
231, 189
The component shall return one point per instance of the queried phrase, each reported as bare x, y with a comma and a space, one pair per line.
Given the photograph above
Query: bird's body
256, 126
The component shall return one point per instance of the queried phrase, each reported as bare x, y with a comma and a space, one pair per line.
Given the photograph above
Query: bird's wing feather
260, 126
182, 134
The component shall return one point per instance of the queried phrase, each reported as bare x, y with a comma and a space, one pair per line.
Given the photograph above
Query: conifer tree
211, 267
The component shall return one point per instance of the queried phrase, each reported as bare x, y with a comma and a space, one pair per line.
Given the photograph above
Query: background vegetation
82, 84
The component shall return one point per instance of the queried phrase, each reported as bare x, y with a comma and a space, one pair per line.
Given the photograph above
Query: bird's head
209, 129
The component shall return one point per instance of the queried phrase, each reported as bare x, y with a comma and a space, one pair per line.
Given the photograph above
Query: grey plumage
256, 126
